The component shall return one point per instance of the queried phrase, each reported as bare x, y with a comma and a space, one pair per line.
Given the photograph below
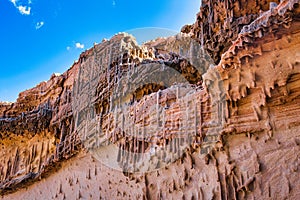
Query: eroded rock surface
219, 22
245, 144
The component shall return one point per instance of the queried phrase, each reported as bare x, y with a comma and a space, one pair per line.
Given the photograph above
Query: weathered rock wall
252, 152
219, 22
36, 130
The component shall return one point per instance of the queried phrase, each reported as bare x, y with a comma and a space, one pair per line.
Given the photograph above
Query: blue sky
40, 37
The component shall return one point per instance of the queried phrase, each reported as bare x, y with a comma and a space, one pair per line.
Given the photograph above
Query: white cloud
39, 25
79, 46
14, 2
24, 10
68, 48
113, 2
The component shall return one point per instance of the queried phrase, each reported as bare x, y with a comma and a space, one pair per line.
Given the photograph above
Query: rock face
239, 118
223, 20
36, 130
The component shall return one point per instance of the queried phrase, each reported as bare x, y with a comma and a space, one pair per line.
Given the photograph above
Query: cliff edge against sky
239, 112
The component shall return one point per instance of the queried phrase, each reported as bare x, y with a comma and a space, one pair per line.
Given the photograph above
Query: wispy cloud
39, 25
23, 9
14, 2
114, 3
75, 45
78, 45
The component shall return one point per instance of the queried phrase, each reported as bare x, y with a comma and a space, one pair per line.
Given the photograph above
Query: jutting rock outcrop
146, 122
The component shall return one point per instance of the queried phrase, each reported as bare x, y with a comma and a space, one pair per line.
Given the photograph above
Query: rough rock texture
251, 151
35, 131
219, 22
156, 109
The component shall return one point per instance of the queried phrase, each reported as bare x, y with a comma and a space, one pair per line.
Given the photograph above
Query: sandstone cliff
88, 133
